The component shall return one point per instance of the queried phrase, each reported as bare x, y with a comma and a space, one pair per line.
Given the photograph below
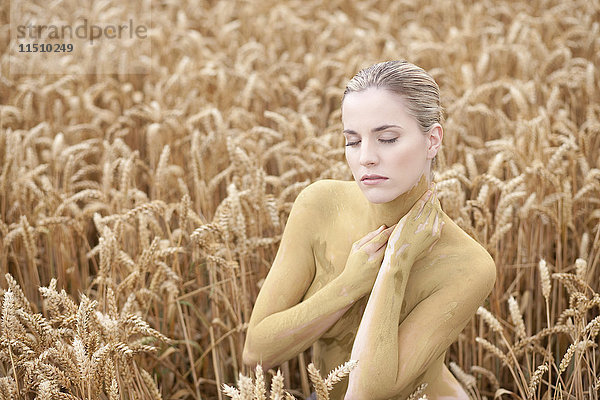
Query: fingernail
381, 227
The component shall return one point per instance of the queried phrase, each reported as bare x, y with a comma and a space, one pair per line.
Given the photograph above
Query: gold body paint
304, 301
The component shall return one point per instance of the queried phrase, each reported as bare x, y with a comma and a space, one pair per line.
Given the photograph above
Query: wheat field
139, 214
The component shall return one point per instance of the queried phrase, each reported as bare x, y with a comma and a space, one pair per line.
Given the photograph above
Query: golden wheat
164, 196
248, 390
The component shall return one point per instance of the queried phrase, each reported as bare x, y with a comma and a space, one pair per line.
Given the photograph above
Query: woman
393, 298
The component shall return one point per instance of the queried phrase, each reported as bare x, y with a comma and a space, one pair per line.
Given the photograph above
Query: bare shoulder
469, 263
322, 187
324, 194
329, 186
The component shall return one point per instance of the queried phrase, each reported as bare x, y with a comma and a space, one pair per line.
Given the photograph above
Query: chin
379, 196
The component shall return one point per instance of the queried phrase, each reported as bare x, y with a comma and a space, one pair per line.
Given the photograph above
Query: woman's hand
364, 261
416, 233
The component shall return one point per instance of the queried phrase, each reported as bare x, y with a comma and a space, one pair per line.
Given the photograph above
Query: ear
435, 135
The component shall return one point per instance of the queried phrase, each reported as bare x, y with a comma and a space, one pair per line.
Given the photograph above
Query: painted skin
334, 287
307, 300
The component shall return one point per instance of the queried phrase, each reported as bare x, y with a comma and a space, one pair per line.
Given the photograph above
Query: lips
366, 177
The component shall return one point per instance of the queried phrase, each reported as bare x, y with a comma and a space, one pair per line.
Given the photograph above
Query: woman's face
383, 139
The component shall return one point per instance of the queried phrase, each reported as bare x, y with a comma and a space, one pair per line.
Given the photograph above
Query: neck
391, 212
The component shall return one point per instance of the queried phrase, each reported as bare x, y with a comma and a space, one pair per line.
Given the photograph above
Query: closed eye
381, 140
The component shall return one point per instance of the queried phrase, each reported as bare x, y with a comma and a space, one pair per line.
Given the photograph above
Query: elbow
247, 357
251, 359
252, 362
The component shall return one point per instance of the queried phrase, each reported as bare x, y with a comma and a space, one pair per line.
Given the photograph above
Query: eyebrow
378, 129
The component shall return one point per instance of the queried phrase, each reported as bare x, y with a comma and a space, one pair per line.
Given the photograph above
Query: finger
423, 199
427, 205
427, 195
431, 202
381, 247
369, 236
437, 203
391, 228
377, 254
427, 222
432, 245
376, 246
438, 226
422, 202
436, 222
423, 211
397, 231
375, 242
381, 238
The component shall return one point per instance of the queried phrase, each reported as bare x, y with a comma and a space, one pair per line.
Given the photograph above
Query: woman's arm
285, 334
392, 355
389, 356
280, 326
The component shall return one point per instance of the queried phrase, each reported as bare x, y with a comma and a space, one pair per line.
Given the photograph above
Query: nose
368, 153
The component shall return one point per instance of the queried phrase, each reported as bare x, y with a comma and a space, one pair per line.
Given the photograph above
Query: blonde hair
409, 81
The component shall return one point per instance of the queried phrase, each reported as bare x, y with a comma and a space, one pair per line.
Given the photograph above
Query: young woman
364, 270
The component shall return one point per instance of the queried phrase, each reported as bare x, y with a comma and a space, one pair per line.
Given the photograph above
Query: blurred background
145, 183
